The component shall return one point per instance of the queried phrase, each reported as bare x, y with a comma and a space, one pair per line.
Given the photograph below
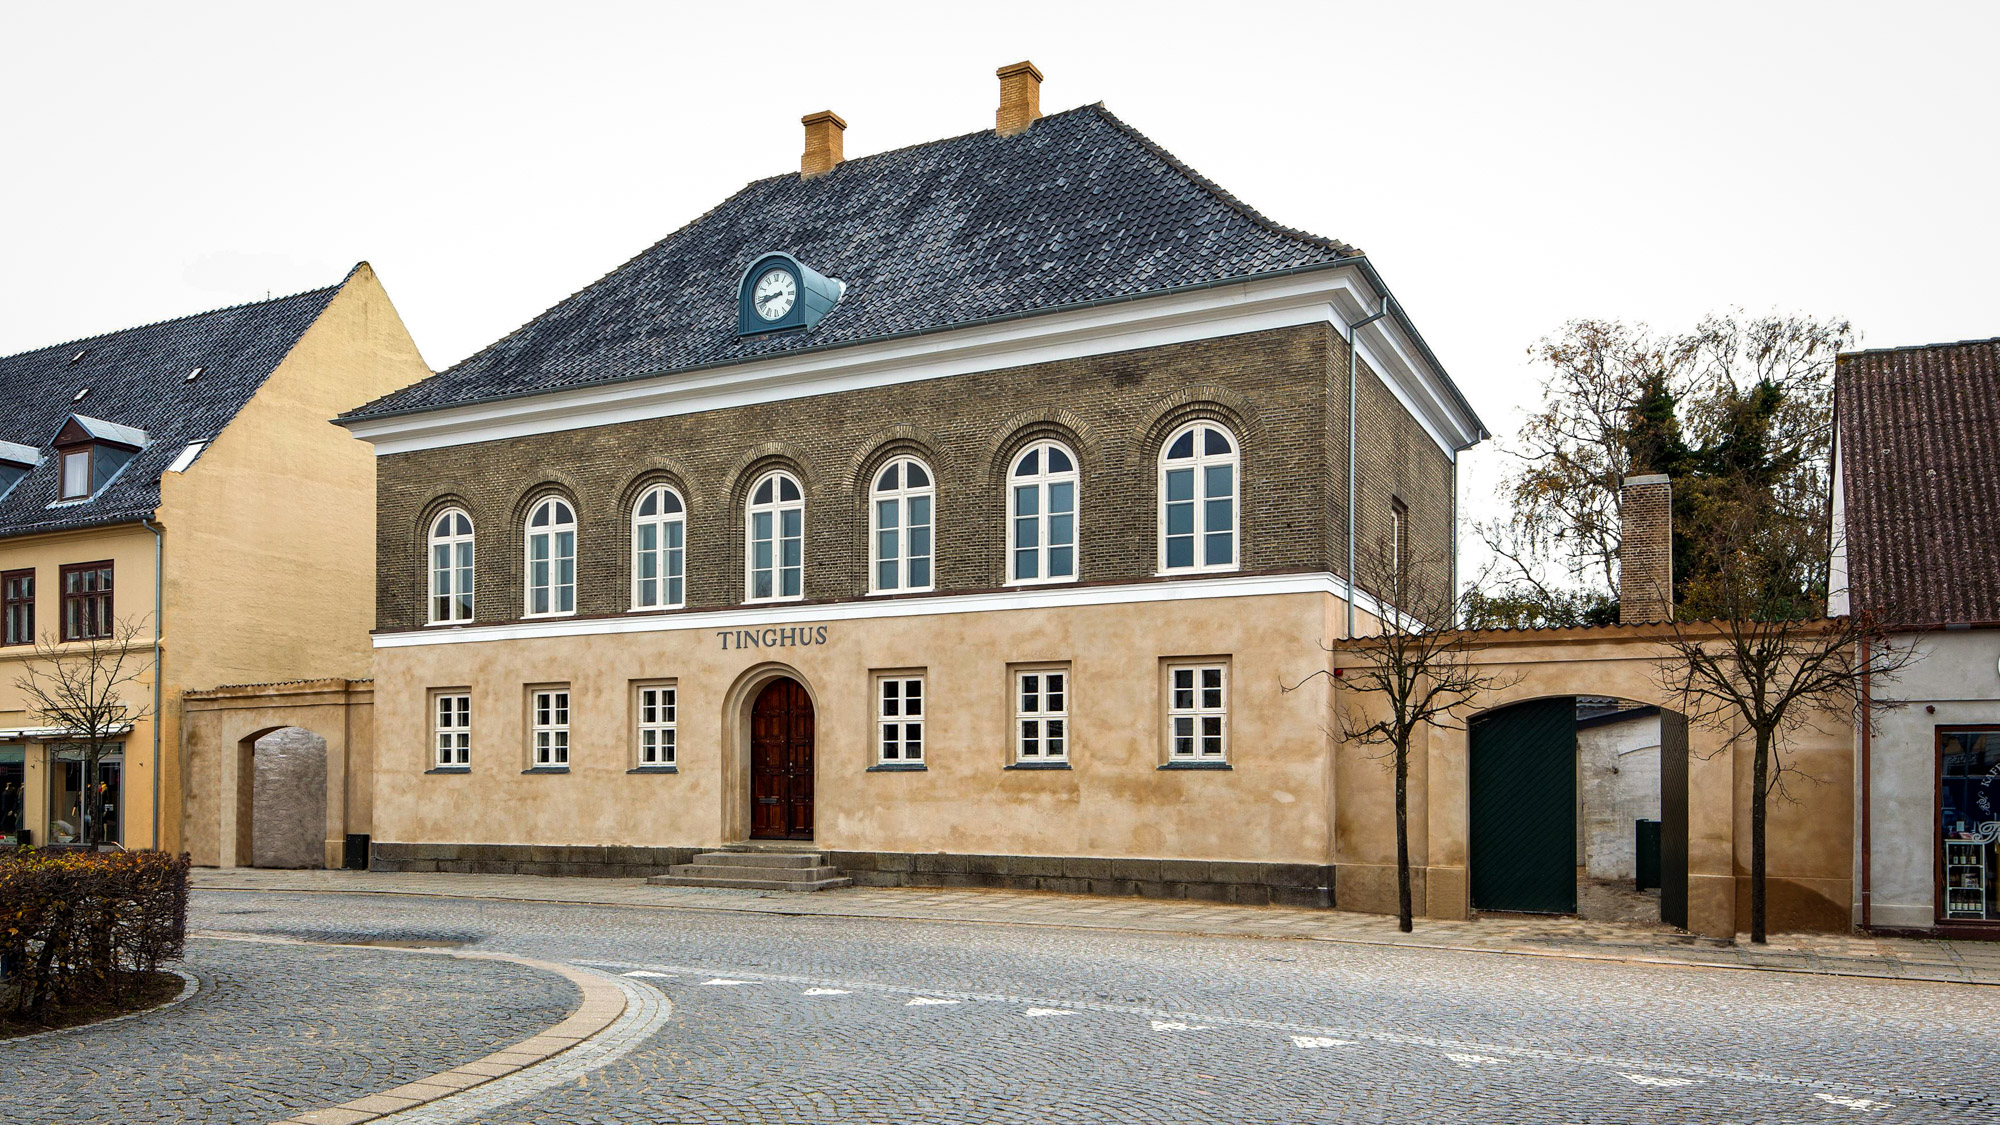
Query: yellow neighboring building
182, 479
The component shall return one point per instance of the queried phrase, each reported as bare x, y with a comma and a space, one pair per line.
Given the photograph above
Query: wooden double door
781, 762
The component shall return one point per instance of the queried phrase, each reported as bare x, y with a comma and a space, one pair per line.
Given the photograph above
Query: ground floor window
549, 712
1197, 710
13, 800
899, 715
83, 809
658, 704
1041, 715
1969, 838
453, 731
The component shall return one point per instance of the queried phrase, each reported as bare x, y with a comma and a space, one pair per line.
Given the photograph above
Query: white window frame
460, 575
900, 500
1198, 465
69, 457
776, 509
1399, 538
1041, 481
451, 730
656, 712
548, 728
896, 723
1196, 713
552, 532
670, 562
1041, 714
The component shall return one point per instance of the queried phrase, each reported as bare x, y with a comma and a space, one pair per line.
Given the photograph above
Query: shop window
452, 730
899, 719
1198, 471
1041, 715
775, 544
900, 525
551, 537
1969, 801
1041, 515
659, 550
86, 592
548, 715
80, 813
451, 567
17, 607
1197, 712
13, 797
658, 725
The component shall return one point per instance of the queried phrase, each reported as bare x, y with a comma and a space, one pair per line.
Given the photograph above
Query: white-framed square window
1198, 712
451, 729
548, 722
1041, 714
899, 718
657, 731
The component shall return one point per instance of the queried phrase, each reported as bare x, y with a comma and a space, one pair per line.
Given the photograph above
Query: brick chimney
1020, 98
823, 132
1646, 550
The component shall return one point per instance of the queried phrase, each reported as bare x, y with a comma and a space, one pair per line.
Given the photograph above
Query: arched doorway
781, 762
286, 825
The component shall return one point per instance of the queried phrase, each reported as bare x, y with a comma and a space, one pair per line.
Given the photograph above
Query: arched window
900, 520
551, 582
659, 550
1198, 499
775, 539
1041, 515
451, 567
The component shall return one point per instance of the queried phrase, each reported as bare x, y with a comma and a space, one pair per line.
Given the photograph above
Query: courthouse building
962, 510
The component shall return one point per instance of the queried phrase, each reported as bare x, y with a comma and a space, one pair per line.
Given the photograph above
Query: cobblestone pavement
275, 1029
1838, 954
834, 1019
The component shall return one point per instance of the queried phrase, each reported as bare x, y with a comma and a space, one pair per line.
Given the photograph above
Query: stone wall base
1259, 884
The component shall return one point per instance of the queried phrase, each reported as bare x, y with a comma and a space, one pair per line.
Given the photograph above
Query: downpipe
159, 580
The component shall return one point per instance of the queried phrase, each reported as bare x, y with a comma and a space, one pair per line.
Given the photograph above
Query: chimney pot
823, 135
1646, 549
1020, 98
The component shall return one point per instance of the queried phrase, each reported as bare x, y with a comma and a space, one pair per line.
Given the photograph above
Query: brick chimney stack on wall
1020, 98
1646, 550
823, 132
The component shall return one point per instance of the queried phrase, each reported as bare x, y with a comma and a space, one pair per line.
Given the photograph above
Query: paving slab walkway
1858, 955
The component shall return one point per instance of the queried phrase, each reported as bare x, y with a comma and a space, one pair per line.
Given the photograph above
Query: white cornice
1334, 296
1040, 597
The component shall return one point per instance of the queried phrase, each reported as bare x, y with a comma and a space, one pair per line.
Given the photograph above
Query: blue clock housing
817, 294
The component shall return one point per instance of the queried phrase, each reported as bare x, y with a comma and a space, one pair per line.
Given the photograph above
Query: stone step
751, 884
762, 859
811, 874
770, 847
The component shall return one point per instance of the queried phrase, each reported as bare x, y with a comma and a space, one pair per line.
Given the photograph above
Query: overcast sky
1507, 166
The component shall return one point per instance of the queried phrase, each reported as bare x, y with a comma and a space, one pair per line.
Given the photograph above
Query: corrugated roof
137, 380
1079, 208
1919, 442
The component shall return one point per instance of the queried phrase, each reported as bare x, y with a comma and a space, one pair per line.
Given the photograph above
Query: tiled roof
1080, 208
137, 380
1919, 442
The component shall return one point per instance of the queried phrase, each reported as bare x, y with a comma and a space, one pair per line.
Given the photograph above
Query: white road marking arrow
1032, 1012
923, 1000
1656, 1080
825, 992
1310, 1042
1868, 1104
1172, 1025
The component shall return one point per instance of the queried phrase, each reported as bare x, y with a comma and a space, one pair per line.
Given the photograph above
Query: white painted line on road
1472, 1060
1866, 1104
647, 973
1656, 1080
1176, 1025
921, 1001
1031, 1013
721, 980
1313, 1042
826, 992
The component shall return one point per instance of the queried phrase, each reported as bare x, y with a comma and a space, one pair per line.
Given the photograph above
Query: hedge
75, 927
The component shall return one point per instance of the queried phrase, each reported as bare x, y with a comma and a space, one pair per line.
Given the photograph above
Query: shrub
76, 927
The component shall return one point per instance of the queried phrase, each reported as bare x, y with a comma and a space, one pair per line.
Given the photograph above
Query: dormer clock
779, 292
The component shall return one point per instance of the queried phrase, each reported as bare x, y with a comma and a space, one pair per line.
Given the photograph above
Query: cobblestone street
818, 1019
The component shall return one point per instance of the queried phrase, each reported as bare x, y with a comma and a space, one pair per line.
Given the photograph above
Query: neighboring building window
658, 741
776, 539
451, 567
1399, 536
1198, 499
549, 718
899, 718
1041, 715
86, 593
1969, 835
75, 474
1197, 712
900, 518
551, 558
1041, 510
452, 731
17, 596
659, 550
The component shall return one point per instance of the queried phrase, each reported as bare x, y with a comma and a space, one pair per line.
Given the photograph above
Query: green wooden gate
1524, 808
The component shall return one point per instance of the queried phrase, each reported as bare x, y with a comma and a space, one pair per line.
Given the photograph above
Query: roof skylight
80, 394
193, 375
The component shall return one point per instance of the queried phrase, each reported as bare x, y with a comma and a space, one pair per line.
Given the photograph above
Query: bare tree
1756, 653
1416, 671
81, 691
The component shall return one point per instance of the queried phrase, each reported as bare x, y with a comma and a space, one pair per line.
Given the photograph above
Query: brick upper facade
1283, 393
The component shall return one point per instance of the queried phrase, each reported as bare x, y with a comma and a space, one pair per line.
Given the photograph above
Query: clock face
774, 293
